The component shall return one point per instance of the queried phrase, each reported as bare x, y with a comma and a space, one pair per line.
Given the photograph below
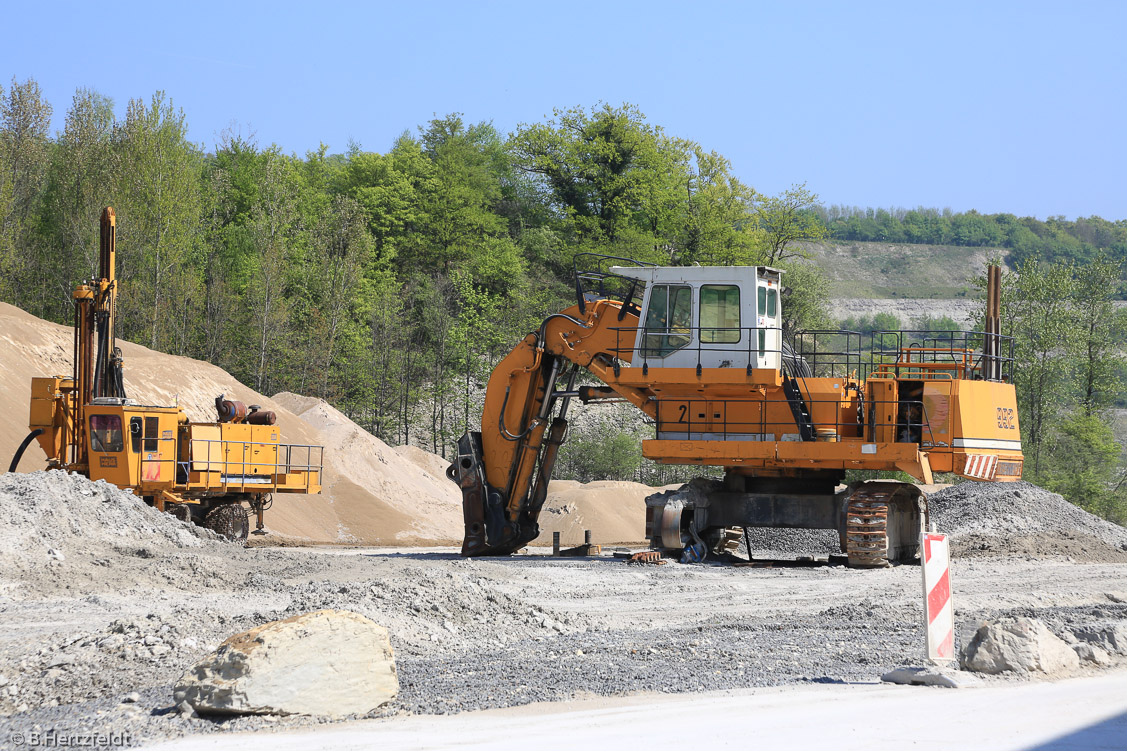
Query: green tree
80, 185
610, 456
721, 225
806, 290
1100, 335
273, 224
341, 248
1037, 312
158, 220
617, 181
1080, 464
788, 219
25, 119
457, 207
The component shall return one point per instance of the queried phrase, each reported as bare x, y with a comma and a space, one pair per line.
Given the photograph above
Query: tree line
387, 283
1054, 240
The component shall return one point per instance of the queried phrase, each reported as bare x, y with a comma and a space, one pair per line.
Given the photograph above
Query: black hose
23, 447
100, 355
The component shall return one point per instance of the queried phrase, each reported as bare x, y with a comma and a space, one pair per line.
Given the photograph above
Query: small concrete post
555, 543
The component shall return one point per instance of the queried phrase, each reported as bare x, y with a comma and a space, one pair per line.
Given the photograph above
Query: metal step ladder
798, 408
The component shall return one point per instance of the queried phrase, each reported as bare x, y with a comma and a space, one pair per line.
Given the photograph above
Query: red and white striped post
939, 616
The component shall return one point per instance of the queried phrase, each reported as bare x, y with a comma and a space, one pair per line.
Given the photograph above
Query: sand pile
378, 495
614, 511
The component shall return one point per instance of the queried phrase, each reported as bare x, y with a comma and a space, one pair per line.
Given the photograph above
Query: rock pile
59, 521
983, 518
1027, 645
986, 518
145, 648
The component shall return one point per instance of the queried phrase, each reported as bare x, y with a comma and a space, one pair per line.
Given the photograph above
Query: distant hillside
891, 270
909, 309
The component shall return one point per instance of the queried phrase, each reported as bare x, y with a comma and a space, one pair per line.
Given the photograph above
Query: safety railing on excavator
595, 281
234, 475
691, 419
915, 354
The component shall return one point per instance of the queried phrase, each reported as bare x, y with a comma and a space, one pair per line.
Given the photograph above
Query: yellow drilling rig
212, 473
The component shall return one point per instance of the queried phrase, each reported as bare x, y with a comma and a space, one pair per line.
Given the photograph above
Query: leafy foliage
1069, 369
388, 283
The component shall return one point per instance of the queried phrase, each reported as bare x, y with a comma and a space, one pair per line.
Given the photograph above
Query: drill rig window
720, 313
105, 433
152, 429
669, 319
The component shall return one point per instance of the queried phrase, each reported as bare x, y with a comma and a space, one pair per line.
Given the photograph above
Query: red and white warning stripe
938, 613
981, 466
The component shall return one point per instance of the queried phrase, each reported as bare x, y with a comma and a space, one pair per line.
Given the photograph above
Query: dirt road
481, 634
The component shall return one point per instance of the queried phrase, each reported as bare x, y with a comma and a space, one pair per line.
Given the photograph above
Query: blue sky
1015, 107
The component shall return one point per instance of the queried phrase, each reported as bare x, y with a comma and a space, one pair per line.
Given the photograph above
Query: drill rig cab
702, 351
208, 473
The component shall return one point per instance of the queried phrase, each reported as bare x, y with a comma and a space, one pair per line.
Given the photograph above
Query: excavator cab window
105, 433
720, 313
669, 319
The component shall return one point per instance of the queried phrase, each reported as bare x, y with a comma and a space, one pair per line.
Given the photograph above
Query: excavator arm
504, 469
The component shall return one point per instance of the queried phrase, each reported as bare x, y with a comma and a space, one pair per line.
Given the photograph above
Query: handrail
223, 466
829, 353
598, 274
760, 430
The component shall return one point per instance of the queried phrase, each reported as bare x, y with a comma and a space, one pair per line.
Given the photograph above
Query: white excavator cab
708, 316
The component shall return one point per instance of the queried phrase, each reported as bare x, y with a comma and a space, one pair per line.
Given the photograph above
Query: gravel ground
129, 599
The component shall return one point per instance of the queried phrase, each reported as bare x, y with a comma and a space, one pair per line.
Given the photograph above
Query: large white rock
331, 663
1023, 645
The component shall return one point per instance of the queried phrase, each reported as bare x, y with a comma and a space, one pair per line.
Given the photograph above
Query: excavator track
883, 521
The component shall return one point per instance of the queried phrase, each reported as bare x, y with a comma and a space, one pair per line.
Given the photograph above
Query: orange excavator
208, 473
702, 352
